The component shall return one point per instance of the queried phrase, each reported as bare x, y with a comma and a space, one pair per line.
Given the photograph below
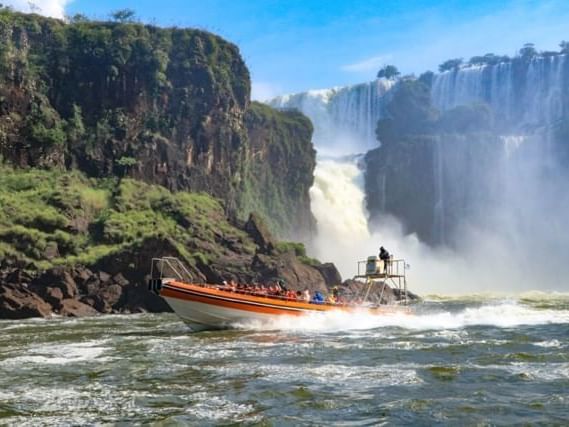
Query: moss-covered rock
279, 169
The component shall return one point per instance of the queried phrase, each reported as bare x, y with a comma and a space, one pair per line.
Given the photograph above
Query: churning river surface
455, 361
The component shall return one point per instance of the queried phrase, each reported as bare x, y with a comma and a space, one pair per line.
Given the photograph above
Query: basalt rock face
280, 165
165, 106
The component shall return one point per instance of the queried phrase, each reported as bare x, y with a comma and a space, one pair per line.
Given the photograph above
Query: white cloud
263, 91
367, 65
53, 8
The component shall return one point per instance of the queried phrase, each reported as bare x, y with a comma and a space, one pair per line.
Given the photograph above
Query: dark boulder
74, 308
53, 296
330, 273
18, 302
356, 290
57, 277
139, 299
297, 275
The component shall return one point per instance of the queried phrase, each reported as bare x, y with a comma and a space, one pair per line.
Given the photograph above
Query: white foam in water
60, 354
502, 315
214, 408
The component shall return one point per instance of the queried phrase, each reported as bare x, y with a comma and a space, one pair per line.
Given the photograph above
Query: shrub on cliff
451, 64
84, 219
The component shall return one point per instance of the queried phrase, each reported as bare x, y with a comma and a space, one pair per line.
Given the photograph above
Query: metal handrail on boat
174, 265
394, 271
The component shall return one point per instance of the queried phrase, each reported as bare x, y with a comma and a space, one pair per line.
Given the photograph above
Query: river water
455, 361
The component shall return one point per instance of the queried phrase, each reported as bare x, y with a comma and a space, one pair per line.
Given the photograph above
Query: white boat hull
200, 316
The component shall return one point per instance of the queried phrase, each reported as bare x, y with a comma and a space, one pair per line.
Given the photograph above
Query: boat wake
505, 313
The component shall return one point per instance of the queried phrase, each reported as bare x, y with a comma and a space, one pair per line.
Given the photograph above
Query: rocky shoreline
117, 283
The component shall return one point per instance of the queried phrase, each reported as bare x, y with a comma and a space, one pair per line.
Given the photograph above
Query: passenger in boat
291, 295
232, 285
331, 299
306, 295
338, 299
318, 298
385, 257
299, 295
281, 284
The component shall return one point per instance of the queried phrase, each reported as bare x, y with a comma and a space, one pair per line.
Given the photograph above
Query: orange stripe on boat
252, 303
237, 301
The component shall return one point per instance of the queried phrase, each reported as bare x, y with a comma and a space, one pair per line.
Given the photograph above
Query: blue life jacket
318, 298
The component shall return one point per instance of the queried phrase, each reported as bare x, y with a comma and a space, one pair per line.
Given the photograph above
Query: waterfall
344, 122
439, 207
497, 185
344, 118
521, 93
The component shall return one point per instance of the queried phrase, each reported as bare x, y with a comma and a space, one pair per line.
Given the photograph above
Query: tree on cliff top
488, 59
528, 51
451, 64
123, 15
564, 45
388, 72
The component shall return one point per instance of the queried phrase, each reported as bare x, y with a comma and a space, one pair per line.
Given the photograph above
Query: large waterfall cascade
344, 122
526, 99
521, 97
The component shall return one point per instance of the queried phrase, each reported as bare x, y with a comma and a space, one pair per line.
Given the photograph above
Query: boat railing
392, 272
166, 267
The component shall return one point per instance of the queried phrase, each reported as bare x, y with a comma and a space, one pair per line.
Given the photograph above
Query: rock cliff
122, 141
164, 106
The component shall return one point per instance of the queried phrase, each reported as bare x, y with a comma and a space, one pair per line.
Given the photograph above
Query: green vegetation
388, 72
526, 53
50, 217
488, 59
299, 250
451, 64
123, 15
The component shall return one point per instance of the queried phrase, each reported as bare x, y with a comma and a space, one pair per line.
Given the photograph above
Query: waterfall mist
500, 218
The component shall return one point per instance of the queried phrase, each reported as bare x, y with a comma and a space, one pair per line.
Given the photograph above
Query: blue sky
295, 45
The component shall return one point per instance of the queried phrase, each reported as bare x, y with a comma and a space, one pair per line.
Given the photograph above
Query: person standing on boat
385, 257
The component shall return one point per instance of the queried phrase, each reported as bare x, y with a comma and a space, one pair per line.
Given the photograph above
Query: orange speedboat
217, 307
